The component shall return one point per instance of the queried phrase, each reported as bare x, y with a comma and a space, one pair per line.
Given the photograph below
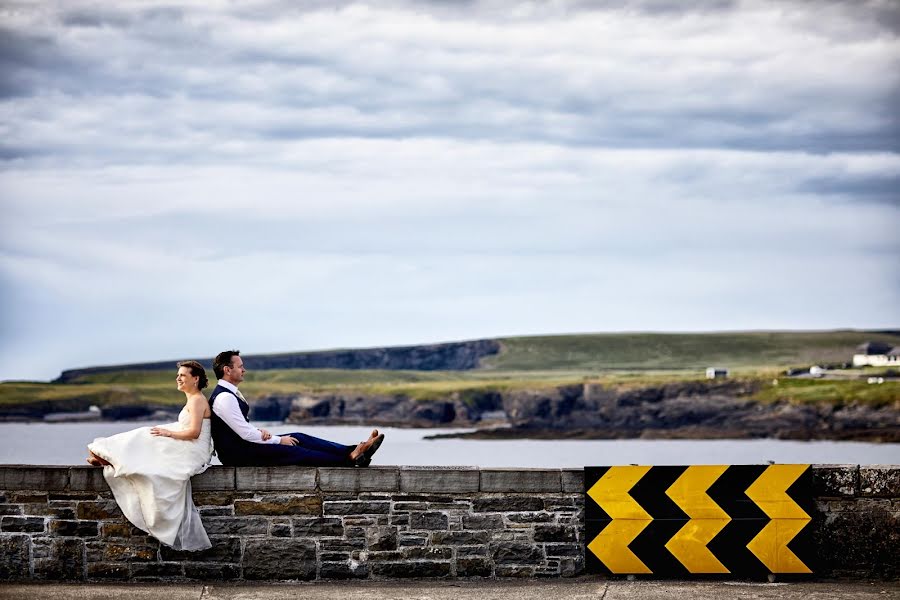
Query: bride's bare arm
197, 406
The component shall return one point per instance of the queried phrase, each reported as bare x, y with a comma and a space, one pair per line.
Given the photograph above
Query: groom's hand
265, 434
288, 440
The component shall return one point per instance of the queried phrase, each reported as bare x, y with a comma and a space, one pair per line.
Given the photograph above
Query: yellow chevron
768, 492
770, 546
611, 546
689, 545
707, 519
689, 492
611, 493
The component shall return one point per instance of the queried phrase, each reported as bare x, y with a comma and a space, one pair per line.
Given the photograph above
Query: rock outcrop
687, 409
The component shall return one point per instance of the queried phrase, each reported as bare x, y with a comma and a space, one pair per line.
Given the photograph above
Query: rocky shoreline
682, 410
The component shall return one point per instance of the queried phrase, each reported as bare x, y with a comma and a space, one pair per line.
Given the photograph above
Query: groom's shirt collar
228, 386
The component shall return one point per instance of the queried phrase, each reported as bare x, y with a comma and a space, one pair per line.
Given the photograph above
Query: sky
181, 178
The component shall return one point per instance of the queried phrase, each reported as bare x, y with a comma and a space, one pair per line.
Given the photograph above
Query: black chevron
592, 511
650, 493
730, 547
650, 547
801, 492
728, 492
803, 545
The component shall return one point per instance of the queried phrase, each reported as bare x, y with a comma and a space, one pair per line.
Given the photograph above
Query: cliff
453, 356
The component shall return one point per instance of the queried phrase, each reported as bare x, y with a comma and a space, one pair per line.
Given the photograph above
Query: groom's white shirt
227, 408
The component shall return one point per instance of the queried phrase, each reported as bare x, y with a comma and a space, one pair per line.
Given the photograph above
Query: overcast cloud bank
180, 179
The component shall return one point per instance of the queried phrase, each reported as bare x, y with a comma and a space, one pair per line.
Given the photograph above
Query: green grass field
621, 360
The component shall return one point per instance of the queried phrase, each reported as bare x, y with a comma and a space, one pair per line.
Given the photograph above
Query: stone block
28, 497
13, 510
880, 481
217, 511
474, 566
74, 528
118, 530
87, 479
224, 550
209, 572
428, 520
280, 530
15, 478
290, 478
158, 570
460, 538
214, 478
128, 551
287, 504
381, 538
64, 561
529, 518
352, 507
486, 521
98, 510
15, 557
22, 524
520, 480
835, 481
348, 479
49, 510
279, 559
211, 498
236, 525
419, 553
342, 545
343, 570
412, 539
108, 571
519, 572
571, 566
563, 549
318, 527
516, 553
572, 480
448, 480
554, 533
415, 569
859, 539
480, 550
508, 504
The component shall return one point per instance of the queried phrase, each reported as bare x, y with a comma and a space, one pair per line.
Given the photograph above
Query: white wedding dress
150, 477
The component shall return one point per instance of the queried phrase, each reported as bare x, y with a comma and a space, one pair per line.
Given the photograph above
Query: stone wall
292, 523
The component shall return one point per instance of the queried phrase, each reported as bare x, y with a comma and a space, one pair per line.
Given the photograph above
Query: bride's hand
161, 432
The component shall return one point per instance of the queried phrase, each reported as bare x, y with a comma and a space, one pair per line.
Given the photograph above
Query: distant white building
876, 354
817, 371
716, 373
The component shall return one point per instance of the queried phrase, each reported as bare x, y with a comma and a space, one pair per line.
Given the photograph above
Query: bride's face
185, 381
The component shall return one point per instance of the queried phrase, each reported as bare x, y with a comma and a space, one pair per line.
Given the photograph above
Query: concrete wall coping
877, 481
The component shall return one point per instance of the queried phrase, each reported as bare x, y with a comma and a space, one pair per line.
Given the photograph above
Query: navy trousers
309, 452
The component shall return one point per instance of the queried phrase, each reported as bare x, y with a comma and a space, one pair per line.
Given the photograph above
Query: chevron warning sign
746, 520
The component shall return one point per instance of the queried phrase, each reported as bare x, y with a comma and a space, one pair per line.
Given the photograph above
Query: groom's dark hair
222, 360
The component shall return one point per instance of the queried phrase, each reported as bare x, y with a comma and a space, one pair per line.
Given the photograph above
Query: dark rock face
456, 356
686, 409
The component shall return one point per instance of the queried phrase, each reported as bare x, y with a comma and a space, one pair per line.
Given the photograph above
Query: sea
64, 444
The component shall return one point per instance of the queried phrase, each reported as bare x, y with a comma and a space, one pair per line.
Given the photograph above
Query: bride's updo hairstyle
197, 370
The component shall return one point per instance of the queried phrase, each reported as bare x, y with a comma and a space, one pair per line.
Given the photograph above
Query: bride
149, 469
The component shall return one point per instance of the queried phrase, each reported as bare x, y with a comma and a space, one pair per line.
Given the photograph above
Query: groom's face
235, 373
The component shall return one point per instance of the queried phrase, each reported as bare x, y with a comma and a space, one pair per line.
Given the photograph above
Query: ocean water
64, 444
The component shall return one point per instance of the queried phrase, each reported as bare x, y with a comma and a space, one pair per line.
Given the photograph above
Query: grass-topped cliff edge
619, 361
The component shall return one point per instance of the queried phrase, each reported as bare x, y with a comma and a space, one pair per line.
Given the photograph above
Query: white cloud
405, 172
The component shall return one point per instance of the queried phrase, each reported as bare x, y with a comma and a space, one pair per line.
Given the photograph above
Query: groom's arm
226, 408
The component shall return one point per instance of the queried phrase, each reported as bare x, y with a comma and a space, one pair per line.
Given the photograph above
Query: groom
238, 443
